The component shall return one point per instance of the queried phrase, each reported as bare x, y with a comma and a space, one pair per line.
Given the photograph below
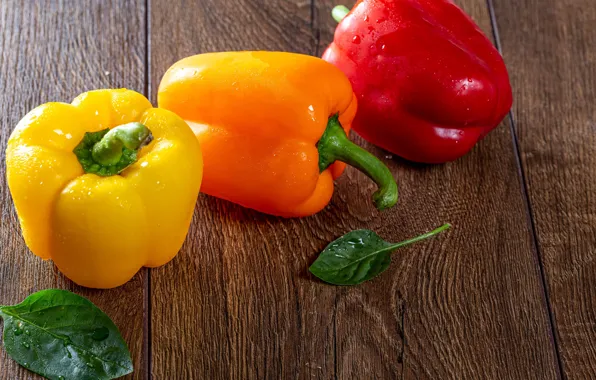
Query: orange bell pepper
271, 126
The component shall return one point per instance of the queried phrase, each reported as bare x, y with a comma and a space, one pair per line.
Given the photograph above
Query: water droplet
27, 332
26, 345
356, 242
61, 378
101, 333
18, 330
89, 365
356, 40
366, 18
26, 365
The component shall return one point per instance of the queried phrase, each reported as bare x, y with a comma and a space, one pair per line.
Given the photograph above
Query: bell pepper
271, 127
103, 186
429, 83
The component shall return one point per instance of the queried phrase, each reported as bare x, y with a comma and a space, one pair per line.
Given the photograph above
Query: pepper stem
110, 151
336, 146
340, 12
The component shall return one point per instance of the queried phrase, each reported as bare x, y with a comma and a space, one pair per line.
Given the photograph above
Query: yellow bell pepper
105, 185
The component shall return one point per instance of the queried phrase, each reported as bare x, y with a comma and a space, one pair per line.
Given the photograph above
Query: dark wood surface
506, 294
52, 51
551, 48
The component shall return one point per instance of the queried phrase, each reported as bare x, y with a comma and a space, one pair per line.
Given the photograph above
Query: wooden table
509, 293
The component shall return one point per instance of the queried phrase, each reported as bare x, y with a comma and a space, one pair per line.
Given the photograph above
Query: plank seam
316, 31
148, 309
528, 206
315, 28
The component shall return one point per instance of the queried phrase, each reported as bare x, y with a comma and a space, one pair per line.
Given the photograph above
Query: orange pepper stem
110, 151
335, 145
340, 12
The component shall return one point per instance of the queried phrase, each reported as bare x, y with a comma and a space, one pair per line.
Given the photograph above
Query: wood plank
472, 305
238, 301
550, 46
52, 51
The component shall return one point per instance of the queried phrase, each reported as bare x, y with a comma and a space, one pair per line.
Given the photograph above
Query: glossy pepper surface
429, 83
103, 186
271, 126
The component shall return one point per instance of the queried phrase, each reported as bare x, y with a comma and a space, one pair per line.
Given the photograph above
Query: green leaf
60, 335
359, 256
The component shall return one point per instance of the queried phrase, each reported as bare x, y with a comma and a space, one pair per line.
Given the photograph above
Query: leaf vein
64, 339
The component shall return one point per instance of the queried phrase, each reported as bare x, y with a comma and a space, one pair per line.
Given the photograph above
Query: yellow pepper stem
335, 145
110, 151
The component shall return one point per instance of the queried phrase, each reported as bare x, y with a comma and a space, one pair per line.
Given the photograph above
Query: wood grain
550, 46
236, 302
52, 51
239, 303
474, 305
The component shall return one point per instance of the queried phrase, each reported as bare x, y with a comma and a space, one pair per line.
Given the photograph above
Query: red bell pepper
429, 83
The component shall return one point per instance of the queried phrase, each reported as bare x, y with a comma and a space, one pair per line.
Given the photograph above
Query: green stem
425, 236
336, 146
110, 151
340, 12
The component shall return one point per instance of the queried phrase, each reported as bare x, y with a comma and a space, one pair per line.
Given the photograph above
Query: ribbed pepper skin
258, 117
429, 83
101, 230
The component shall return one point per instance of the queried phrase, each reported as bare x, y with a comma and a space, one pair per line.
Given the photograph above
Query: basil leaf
60, 335
359, 256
